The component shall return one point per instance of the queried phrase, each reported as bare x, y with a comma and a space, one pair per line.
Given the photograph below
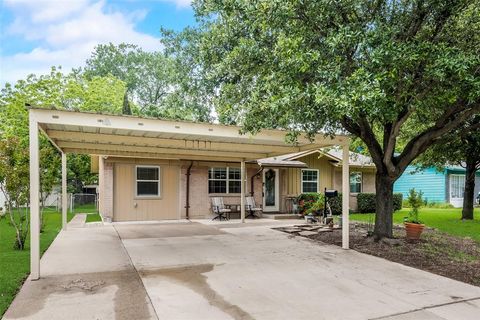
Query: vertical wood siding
128, 207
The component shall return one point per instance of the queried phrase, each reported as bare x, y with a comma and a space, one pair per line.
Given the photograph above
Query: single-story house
155, 189
447, 186
148, 166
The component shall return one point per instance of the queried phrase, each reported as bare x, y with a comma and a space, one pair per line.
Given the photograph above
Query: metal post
242, 191
34, 200
345, 196
64, 191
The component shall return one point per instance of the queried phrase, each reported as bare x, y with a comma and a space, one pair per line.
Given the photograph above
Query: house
148, 166
447, 186
135, 188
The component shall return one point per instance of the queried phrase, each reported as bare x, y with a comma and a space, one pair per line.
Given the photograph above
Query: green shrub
336, 204
317, 206
367, 204
306, 201
397, 201
415, 201
316, 202
440, 205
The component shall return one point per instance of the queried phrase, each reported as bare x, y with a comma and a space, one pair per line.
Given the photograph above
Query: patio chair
252, 208
219, 209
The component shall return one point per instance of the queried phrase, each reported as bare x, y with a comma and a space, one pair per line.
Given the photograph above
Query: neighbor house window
457, 186
147, 181
355, 182
309, 180
224, 180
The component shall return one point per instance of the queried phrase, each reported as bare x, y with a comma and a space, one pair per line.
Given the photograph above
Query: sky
38, 34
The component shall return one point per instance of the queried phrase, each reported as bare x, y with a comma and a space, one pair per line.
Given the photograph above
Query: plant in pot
315, 209
305, 202
413, 226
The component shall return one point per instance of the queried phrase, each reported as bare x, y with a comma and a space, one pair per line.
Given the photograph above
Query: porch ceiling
116, 135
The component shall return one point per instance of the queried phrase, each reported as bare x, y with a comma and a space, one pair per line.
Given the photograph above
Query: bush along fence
310, 202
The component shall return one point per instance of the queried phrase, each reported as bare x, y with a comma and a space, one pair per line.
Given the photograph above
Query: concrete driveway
204, 270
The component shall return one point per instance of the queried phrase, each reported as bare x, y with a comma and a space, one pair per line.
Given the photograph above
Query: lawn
85, 208
93, 217
15, 265
446, 220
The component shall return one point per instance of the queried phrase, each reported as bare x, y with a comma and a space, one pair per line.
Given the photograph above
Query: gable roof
291, 160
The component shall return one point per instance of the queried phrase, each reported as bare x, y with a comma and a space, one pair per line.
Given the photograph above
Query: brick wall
200, 203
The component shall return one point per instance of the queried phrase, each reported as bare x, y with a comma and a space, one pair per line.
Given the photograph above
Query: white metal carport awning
101, 134
130, 136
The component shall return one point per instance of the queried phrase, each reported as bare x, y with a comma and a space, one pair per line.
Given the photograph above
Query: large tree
71, 91
155, 81
385, 71
461, 148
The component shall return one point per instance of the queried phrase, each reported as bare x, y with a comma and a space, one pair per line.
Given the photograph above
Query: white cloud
180, 3
67, 33
46, 10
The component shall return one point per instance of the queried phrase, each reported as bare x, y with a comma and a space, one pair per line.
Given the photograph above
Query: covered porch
159, 140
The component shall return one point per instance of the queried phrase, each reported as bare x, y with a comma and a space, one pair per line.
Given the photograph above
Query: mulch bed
449, 256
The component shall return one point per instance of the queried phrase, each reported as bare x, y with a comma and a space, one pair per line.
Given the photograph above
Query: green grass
14, 264
446, 220
85, 208
93, 217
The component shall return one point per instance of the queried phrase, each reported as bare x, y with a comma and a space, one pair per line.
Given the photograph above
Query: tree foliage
14, 175
155, 82
461, 148
385, 71
71, 92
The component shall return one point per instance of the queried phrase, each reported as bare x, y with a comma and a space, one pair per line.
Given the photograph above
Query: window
309, 180
147, 181
457, 186
355, 182
224, 180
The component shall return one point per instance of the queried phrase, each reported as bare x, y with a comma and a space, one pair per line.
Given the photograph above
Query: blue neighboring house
446, 186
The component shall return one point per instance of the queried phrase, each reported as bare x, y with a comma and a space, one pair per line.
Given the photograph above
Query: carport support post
345, 195
64, 191
242, 191
34, 200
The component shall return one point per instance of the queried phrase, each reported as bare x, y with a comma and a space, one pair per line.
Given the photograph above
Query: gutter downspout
187, 200
251, 180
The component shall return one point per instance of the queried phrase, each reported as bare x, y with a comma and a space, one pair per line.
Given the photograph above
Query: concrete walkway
205, 270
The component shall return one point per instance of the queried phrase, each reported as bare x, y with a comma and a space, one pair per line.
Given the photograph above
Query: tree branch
430, 136
364, 131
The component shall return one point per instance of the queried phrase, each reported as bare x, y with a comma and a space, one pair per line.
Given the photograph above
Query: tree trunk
469, 196
384, 207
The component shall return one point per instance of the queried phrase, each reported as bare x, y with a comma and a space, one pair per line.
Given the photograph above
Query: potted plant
413, 226
315, 209
305, 202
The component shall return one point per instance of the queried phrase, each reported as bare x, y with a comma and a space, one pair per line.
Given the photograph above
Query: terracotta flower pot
414, 230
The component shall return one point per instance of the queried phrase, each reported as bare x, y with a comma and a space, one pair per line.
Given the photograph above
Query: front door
271, 195
457, 189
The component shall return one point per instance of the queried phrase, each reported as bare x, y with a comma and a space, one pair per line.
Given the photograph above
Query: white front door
271, 194
457, 189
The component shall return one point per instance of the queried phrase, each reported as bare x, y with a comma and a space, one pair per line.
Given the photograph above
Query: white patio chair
219, 209
251, 207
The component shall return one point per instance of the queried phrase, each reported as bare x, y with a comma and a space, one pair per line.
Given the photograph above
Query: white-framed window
224, 180
457, 186
309, 180
147, 181
355, 182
